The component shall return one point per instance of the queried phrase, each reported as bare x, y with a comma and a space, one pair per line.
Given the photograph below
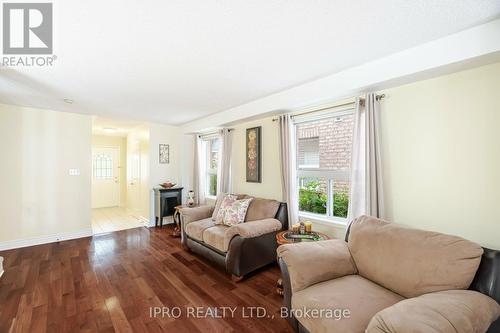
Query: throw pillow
225, 204
235, 214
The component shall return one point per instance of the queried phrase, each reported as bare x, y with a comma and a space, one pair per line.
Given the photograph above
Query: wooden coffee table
285, 237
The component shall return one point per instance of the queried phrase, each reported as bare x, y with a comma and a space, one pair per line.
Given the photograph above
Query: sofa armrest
196, 213
450, 311
251, 229
312, 262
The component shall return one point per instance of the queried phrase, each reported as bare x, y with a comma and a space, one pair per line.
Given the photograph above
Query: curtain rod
212, 133
378, 97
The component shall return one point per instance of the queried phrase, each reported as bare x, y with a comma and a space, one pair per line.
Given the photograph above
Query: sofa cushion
412, 262
218, 202
219, 236
312, 262
214, 236
359, 296
195, 229
260, 209
451, 311
224, 204
235, 211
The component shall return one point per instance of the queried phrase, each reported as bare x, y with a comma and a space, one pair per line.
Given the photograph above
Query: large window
212, 146
323, 162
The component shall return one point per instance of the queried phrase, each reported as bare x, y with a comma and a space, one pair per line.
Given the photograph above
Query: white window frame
209, 171
329, 175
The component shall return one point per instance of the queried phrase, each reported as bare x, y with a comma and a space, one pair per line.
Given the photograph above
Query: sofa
387, 278
239, 249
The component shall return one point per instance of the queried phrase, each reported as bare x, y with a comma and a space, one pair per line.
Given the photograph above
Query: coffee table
287, 237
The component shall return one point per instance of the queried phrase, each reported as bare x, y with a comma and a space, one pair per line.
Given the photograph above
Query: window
103, 166
212, 146
323, 164
308, 152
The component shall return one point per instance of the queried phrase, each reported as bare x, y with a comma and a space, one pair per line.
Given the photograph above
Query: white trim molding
18, 243
1, 266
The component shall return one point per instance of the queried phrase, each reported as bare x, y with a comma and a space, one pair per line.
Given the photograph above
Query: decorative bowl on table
167, 185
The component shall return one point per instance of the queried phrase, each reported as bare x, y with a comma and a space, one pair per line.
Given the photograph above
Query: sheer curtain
366, 195
199, 170
224, 167
288, 167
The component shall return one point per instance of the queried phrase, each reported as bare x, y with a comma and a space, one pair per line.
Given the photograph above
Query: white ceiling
113, 127
176, 61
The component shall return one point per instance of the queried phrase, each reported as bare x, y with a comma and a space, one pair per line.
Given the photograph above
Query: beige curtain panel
366, 195
288, 167
224, 169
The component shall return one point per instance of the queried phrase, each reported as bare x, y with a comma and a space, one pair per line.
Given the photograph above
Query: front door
105, 177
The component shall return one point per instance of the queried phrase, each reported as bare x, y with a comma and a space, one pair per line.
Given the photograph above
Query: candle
295, 228
308, 227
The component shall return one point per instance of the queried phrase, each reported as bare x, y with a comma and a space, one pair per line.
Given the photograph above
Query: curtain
288, 167
366, 195
199, 170
224, 167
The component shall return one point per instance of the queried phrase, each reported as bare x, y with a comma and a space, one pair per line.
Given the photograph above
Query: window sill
211, 197
329, 221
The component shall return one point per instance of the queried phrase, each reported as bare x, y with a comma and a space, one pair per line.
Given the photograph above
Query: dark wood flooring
108, 283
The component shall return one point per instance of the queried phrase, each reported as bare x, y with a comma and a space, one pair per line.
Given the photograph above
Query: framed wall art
164, 153
254, 155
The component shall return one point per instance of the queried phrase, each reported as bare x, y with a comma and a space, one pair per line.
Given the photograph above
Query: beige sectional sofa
241, 248
386, 278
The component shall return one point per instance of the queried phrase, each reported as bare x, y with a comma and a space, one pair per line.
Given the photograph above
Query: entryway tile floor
113, 219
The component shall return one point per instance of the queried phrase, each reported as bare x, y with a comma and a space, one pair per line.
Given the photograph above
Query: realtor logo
27, 28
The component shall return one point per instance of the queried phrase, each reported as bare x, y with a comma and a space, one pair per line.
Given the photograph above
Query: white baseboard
18, 243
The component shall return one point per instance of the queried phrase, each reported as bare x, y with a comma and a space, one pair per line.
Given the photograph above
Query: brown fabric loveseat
387, 278
241, 248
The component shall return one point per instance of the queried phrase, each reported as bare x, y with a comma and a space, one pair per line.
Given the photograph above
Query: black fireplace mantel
165, 201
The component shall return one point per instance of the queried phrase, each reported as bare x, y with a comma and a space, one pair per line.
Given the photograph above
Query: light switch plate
74, 172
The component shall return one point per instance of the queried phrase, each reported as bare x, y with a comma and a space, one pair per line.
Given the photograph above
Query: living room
283, 167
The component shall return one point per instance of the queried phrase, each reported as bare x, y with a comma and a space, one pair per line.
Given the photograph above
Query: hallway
113, 219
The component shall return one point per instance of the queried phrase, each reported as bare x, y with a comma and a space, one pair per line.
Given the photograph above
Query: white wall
120, 142
138, 196
160, 173
186, 163
441, 154
38, 198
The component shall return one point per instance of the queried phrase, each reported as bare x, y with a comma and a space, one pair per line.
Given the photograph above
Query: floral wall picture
254, 154
164, 153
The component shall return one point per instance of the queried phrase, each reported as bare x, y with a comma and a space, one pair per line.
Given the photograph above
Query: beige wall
38, 197
441, 154
120, 142
271, 173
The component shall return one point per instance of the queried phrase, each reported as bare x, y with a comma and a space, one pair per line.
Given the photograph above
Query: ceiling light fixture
109, 129
68, 100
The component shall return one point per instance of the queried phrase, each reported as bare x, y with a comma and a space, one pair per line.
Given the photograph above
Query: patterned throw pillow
237, 212
225, 204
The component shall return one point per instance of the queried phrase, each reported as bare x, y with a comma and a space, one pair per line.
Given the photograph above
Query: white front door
105, 177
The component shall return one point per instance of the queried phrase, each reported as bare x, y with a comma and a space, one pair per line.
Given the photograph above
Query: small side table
177, 219
284, 237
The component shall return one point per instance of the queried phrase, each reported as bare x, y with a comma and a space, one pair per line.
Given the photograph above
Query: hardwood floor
108, 283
